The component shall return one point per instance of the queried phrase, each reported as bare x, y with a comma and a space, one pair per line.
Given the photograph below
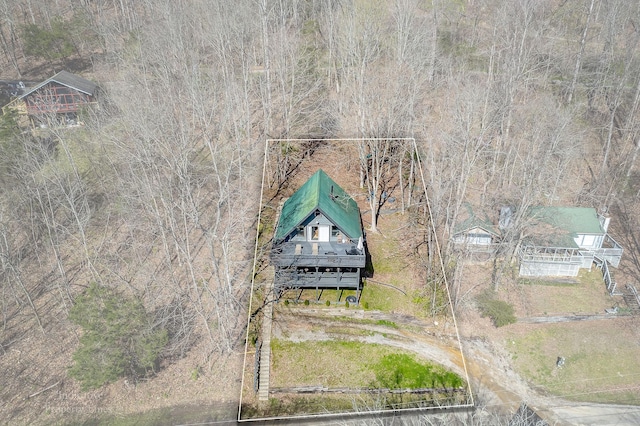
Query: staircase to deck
265, 352
632, 299
603, 265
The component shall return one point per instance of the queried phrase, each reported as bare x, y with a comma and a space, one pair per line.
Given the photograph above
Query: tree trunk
583, 42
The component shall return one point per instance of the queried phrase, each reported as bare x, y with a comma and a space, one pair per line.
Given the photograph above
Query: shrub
366, 305
346, 304
500, 312
286, 302
328, 303
118, 338
196, 373
401, 371
306, 302
387, 323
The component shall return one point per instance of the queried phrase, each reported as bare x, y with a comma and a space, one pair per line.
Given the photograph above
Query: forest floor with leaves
36, 389
507, 365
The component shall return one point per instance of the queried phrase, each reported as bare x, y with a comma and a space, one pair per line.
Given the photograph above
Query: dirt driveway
496, 386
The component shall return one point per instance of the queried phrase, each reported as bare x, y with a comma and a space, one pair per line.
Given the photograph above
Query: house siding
541, 269
475, 236
589, 241
580, 235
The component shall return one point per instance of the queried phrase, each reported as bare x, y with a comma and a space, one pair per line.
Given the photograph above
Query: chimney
505, 217
604, 222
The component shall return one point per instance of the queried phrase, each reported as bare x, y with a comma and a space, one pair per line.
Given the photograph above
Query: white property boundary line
255, 261
253, 274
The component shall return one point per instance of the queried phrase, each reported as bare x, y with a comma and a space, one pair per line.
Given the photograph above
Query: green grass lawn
602, 362
385, 255
313, 363
373, 297
587, 296
383, 298
601, 356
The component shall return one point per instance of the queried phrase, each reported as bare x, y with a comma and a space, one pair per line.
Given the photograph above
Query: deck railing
551, 255
321, 260
611, 251
322, 254
603, 265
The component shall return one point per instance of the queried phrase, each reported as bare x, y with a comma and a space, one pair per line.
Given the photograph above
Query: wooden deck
294, 278
318, 254
610, 251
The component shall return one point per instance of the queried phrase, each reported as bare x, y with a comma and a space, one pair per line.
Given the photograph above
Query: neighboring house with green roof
474, 232
555, 241
319, 242
558, 241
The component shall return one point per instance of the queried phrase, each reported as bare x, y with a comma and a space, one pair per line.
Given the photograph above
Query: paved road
594, 415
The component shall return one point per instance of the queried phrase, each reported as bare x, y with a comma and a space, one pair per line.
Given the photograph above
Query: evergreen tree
118, 338
52, 44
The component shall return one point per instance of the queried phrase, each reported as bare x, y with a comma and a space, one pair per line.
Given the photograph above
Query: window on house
315, 232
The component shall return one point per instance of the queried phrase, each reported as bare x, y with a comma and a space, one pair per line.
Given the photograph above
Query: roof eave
484, 228
75, 88
55, 80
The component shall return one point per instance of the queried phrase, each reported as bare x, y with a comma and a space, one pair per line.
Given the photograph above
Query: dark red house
56, 101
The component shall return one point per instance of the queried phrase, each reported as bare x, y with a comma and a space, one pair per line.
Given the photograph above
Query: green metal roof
563, 224
573, 220
469, 220
316, 194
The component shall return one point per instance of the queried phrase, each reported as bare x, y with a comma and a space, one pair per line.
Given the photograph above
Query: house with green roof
558, 241
474, 232
318, 242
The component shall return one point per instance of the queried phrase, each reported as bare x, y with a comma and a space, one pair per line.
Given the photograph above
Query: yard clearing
345, 360
362, 365
586, 295
394, 344
602, 362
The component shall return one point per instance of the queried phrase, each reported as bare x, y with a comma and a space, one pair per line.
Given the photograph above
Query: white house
474, 232
558, 241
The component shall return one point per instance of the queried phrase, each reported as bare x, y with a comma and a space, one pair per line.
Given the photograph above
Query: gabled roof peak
67, 79
322, 193
468, 219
